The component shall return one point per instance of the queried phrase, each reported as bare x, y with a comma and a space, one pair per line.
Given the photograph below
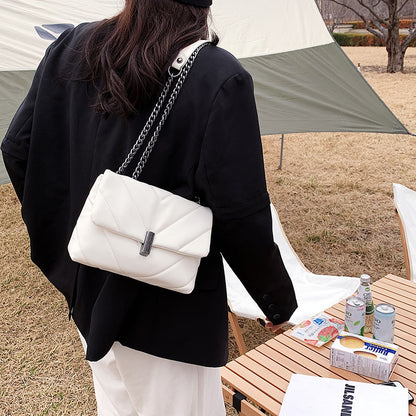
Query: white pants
132, 383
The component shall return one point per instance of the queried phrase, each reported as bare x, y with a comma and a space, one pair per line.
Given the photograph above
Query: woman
152, 351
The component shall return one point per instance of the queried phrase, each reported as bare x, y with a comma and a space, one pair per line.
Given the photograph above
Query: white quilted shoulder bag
138, 230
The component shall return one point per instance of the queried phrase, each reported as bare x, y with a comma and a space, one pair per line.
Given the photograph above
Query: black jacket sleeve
231, 181
16, 143
15, 146
16, 168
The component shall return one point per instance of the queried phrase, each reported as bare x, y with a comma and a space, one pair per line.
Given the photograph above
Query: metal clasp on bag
146, 247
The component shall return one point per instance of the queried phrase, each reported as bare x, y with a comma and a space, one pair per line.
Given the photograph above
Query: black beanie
198, 3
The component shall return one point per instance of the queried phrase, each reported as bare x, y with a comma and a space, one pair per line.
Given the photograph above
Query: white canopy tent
303, 80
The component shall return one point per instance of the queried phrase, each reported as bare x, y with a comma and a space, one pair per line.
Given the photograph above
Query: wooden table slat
304, 361
404, 313
268, 363
284, 361
403, 281
383, 295
247, 409
397, 283
260, 382
264, 372
250, 391
406, 373
406, 295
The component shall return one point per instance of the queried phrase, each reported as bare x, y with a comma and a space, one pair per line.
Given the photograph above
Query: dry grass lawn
334, 198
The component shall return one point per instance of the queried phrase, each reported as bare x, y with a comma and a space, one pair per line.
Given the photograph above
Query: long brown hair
128, 56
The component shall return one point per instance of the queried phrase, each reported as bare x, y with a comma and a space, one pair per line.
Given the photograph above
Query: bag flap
131, 208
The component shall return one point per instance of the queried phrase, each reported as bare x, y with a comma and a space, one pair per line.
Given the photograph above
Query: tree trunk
395, 54
395, 61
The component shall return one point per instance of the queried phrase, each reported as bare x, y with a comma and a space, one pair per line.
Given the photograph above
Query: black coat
210, 148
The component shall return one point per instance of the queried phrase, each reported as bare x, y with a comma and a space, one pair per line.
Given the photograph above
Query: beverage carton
364, 356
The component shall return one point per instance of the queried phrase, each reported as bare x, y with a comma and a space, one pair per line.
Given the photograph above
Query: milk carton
364, 356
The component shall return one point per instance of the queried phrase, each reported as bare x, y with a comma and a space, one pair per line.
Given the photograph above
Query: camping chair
314, 292
405, 202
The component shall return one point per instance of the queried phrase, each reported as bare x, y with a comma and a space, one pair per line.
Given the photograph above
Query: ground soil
335, 201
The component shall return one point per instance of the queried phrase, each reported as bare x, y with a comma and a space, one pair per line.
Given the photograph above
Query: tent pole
412, 134
281, 151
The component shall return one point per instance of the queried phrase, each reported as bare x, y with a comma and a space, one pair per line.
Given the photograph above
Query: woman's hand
274, 328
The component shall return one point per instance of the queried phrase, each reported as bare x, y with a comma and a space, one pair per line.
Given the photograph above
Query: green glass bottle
364, 292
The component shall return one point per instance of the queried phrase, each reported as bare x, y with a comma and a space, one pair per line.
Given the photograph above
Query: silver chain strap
147, 126
145, 131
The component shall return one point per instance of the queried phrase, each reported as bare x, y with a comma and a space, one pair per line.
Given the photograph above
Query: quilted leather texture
113, 223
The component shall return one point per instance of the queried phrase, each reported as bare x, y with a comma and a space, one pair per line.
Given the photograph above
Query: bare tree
333, 14
381, 18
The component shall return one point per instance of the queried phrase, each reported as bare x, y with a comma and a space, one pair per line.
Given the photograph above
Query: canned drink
384, 319
355, 315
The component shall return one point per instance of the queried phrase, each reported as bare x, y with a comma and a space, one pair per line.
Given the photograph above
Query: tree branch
386, 2
399, 9
405, 44
371, 10
380, 34
382, 31
350, 8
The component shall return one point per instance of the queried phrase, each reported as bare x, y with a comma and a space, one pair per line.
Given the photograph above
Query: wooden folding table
256, 382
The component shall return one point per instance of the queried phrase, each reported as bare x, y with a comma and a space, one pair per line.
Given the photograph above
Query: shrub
357, 39
362, 39
405, 23
359, 24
